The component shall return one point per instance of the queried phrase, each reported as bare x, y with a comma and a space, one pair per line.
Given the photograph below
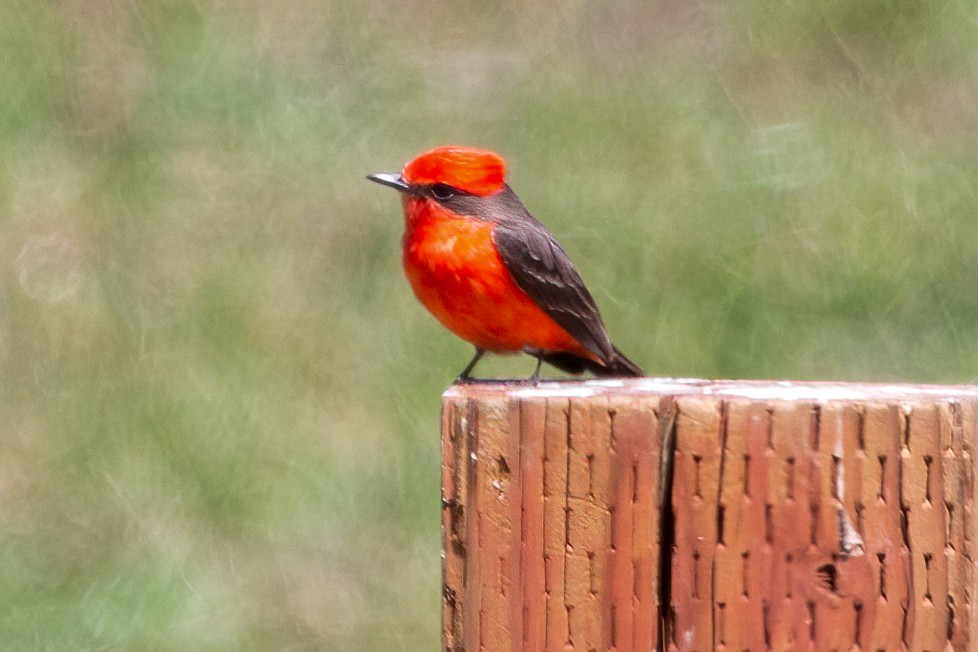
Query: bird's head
449, 169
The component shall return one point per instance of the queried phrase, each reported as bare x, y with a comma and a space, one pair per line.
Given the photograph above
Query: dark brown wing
543, 270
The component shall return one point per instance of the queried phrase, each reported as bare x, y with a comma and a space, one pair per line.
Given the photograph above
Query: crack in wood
667, 525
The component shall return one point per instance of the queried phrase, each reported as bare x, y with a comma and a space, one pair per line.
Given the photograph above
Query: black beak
391, 179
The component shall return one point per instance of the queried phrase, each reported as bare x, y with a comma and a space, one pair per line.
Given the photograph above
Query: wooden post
689, 515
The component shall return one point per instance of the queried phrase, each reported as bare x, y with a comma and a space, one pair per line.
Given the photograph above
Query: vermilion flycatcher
490, 272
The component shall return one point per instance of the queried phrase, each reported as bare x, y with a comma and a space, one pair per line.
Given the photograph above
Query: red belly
455, 271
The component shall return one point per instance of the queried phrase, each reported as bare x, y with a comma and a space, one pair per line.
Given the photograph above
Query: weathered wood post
690, 515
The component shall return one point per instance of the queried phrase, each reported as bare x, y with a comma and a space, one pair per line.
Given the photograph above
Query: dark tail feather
619, 366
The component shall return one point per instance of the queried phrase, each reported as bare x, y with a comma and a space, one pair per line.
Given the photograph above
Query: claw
535, 378
465, 376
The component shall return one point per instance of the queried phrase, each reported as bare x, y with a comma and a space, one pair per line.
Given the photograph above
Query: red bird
490, 272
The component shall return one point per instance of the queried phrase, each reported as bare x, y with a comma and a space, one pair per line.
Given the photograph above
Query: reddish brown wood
803, 517
960, 495
630, 615
533, 418
694, 493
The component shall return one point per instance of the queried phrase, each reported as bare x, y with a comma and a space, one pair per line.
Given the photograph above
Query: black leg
464, 376
535, 378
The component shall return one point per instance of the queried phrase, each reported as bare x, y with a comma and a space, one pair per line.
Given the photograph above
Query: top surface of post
772, 390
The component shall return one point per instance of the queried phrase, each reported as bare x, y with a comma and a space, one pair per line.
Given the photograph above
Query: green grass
220, 399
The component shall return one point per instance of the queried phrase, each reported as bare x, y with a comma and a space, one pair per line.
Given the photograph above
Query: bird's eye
442, 191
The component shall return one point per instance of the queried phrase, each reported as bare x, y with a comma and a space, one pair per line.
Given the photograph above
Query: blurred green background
219, 398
